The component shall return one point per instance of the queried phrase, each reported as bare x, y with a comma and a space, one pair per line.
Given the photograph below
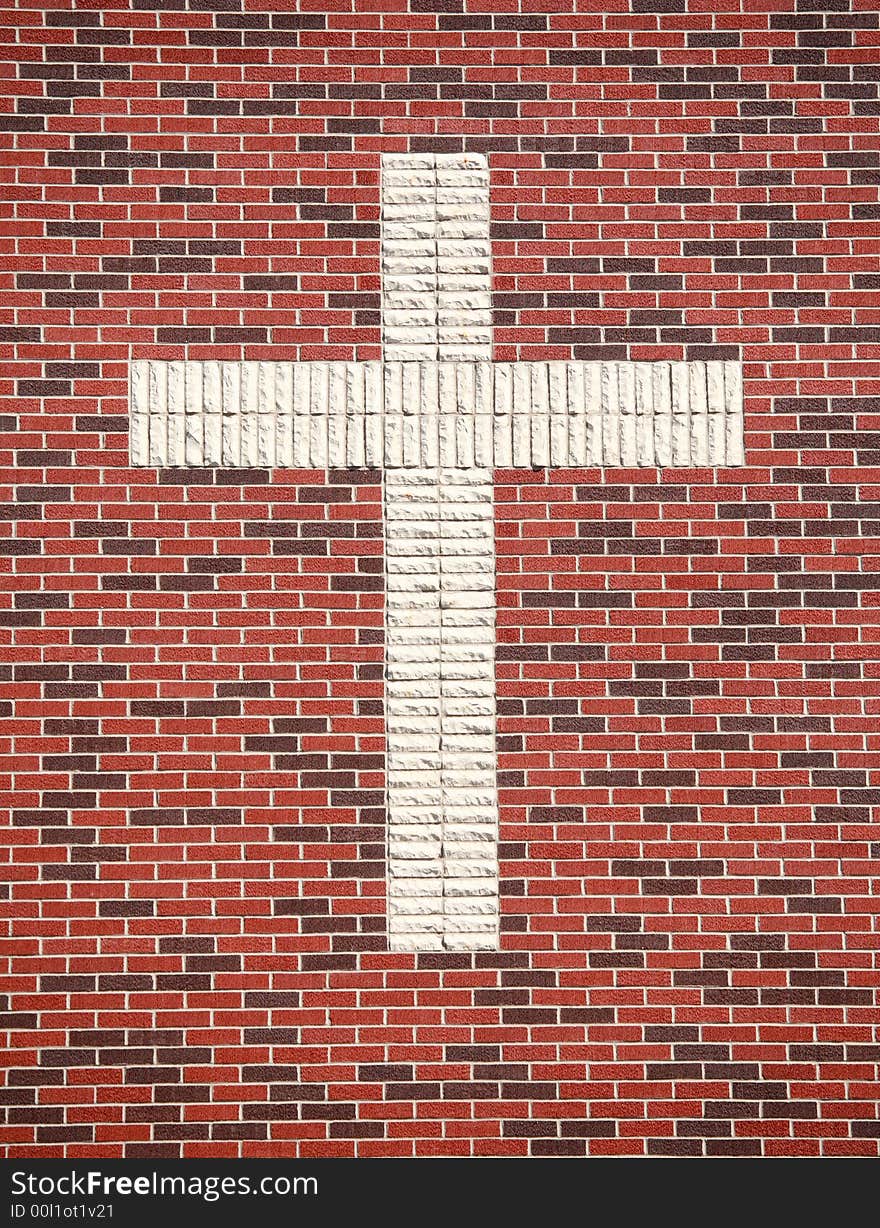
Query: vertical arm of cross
440, 561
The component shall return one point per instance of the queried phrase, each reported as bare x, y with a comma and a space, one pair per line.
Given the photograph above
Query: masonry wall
195, 948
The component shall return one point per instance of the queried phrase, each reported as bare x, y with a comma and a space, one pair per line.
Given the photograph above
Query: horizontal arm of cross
453, 414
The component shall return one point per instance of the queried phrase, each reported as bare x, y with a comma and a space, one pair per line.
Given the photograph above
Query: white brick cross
437, 415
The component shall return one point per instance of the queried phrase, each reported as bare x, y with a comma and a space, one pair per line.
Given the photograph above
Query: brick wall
687, 667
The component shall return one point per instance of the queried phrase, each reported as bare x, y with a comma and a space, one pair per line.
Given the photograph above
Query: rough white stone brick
177, 411
437, 769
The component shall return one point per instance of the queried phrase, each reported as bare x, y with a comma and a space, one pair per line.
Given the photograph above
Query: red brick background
194, 932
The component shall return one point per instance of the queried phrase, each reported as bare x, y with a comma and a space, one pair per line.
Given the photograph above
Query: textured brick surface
436, 257
440, 701
456, 414
686, 662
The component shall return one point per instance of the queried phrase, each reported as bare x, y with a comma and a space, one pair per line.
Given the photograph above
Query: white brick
176, 414
139, 403
440, 773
